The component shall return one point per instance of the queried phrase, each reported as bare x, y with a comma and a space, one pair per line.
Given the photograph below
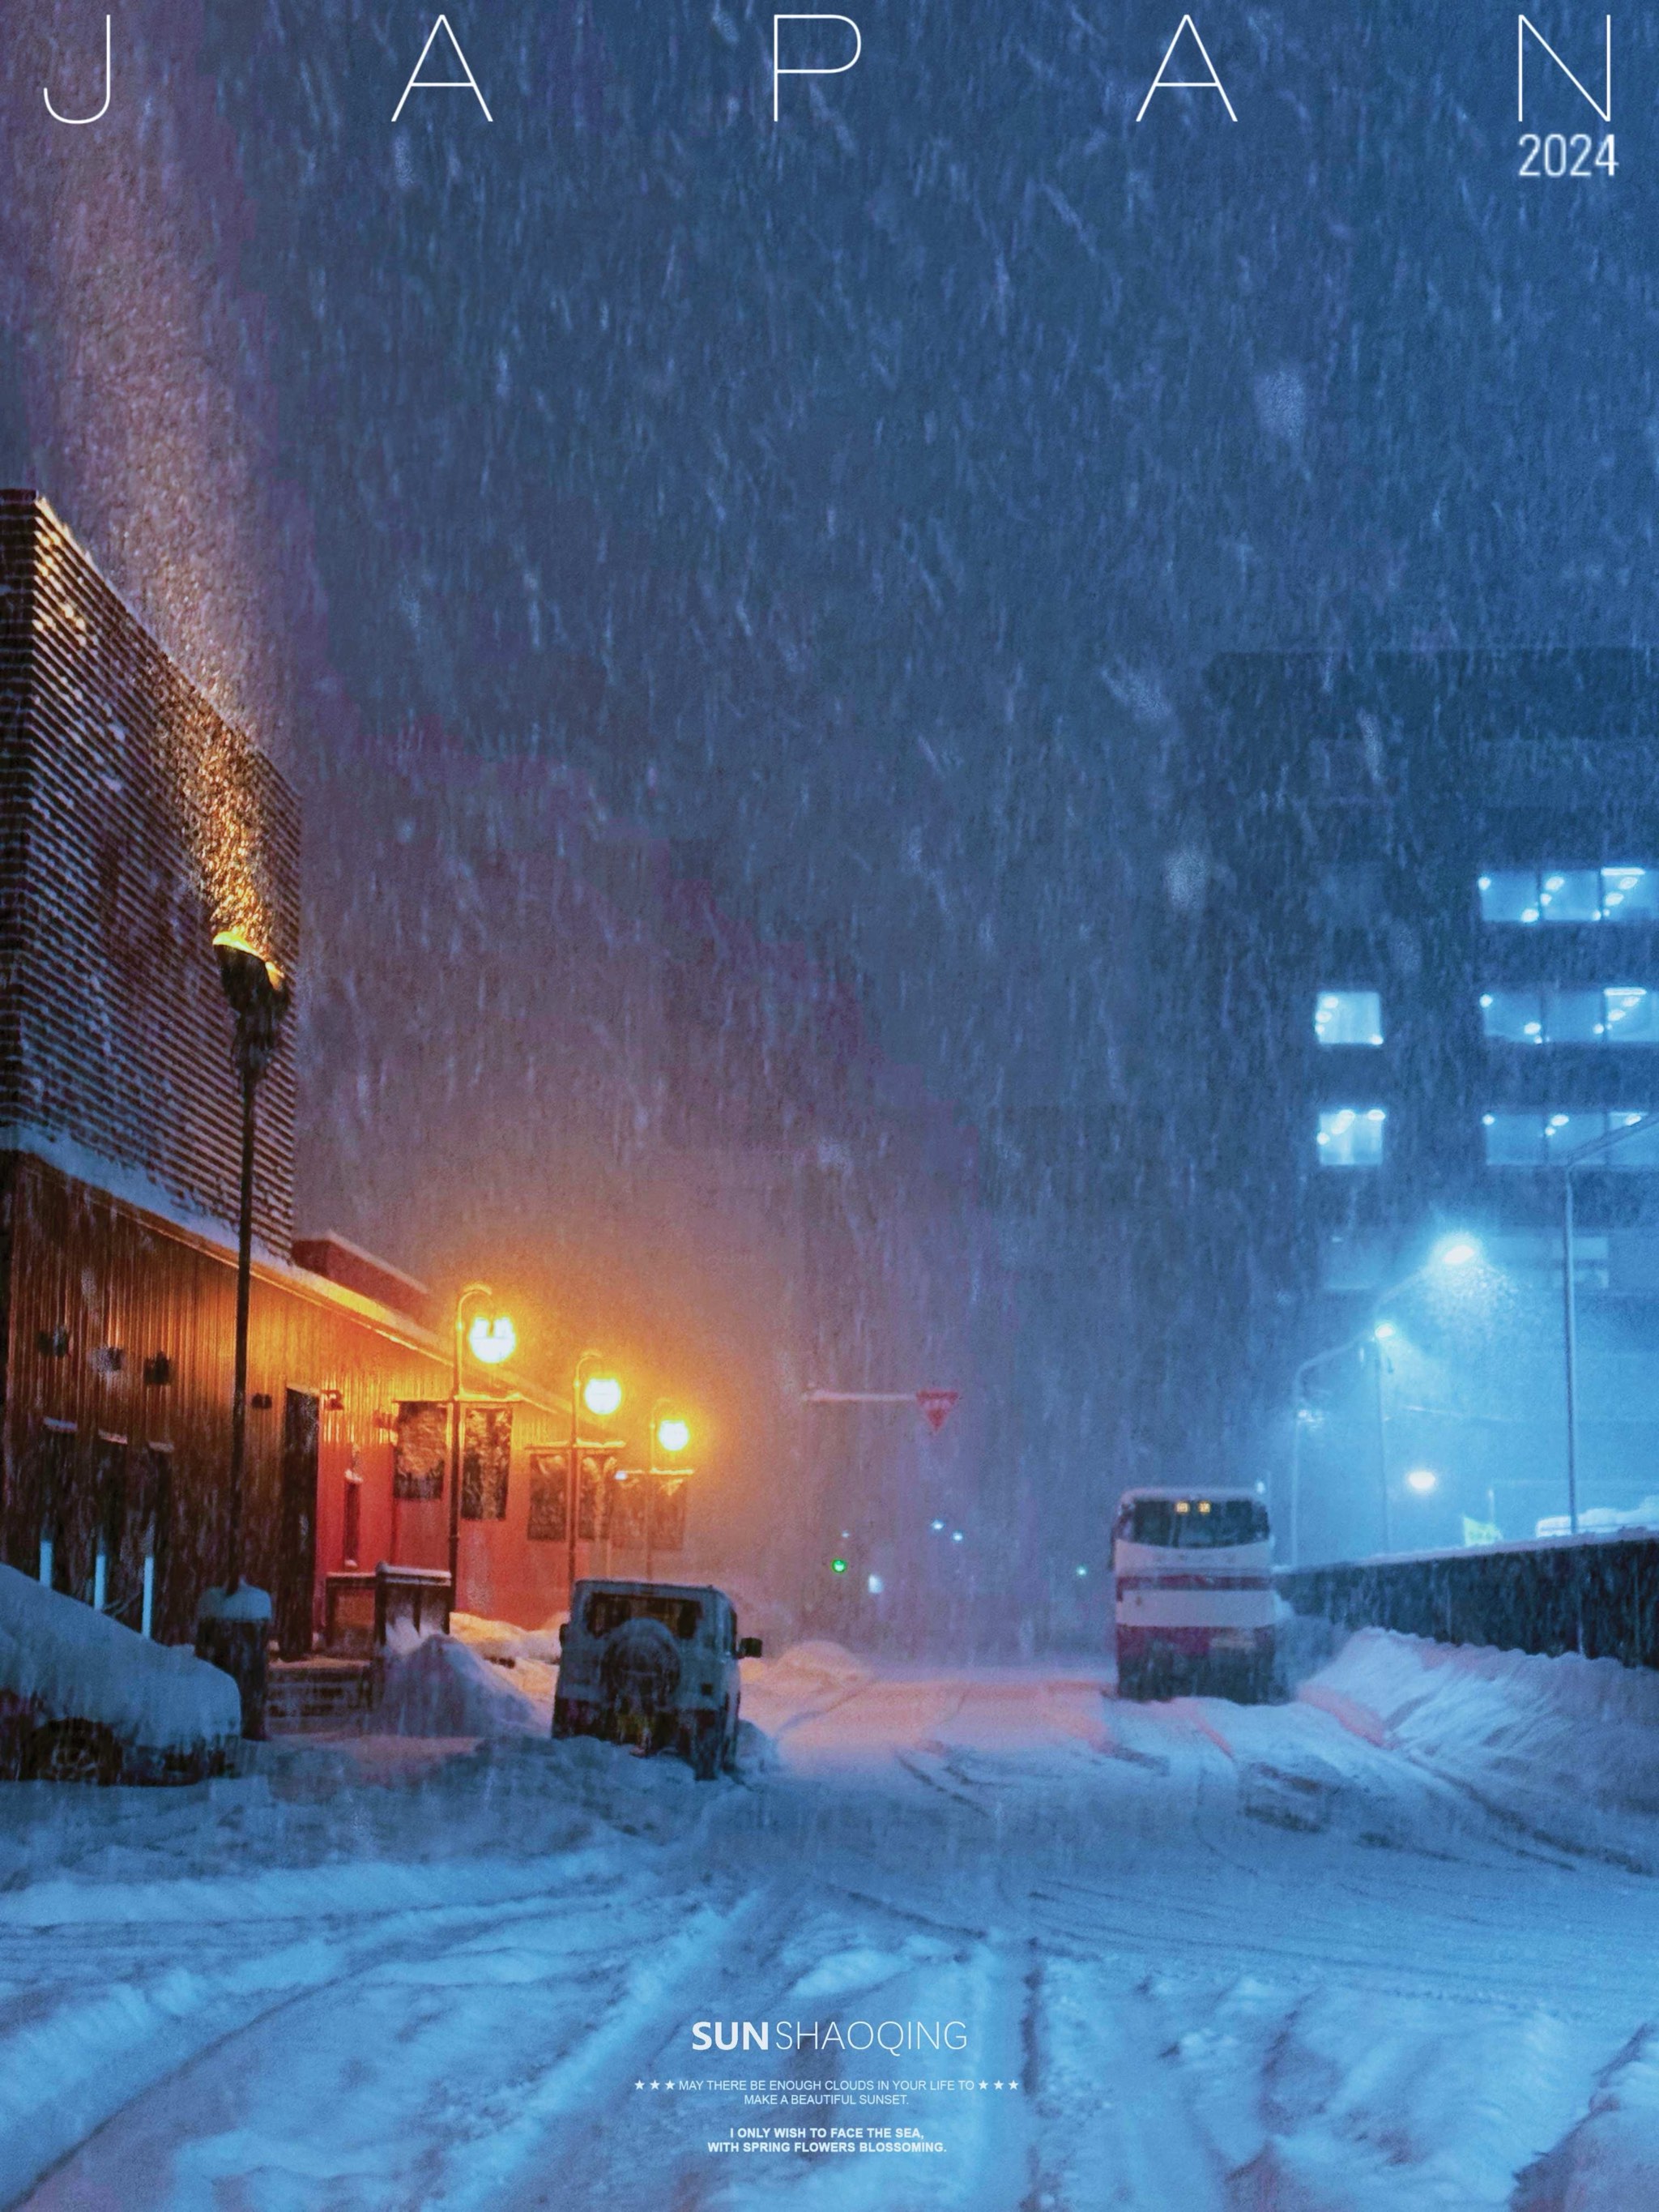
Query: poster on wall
421, 1453
549, 1495
486, 1461
627, 1509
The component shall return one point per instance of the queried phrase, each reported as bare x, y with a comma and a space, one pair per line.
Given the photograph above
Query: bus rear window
1194, 1524
608, 1609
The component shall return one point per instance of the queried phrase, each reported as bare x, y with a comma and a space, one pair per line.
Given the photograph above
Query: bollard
231, 1633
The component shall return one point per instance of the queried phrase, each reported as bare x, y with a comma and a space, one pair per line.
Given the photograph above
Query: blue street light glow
1456, 1252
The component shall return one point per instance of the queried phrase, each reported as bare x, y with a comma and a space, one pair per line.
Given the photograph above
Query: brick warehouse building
135, 823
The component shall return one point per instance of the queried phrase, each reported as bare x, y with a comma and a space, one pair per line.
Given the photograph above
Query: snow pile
78, 1664
1563, 1743
1610, 2162
527, 1658
437, 1686
1599, 1520
805, 1681
504, 1639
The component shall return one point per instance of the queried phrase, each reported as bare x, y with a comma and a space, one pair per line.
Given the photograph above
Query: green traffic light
838, 1566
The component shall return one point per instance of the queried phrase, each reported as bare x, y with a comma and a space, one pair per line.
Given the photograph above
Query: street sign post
935, 1406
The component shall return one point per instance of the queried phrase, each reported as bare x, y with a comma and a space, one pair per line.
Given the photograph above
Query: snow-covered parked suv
653, 1664
84, 1699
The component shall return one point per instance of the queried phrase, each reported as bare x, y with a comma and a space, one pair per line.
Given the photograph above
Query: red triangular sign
936, 1407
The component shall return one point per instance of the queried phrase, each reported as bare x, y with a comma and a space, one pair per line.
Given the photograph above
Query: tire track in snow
170, 2040
582, 2093
1112, 2123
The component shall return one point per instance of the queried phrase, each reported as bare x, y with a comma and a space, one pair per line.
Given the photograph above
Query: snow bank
437, 1686
1610, 2162
504, 1639
807, 1679
529, 1657
78, 1664
1569, 1744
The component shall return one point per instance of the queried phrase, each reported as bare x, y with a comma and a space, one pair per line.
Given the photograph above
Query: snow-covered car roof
68, 1662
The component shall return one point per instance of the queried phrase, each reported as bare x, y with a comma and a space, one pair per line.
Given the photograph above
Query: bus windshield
1194, 1524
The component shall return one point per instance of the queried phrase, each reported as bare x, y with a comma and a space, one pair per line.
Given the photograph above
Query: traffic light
838, 1566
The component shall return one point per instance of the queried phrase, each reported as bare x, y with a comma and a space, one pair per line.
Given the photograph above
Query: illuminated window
1509, 895
1618, 1013
1348, 1017
1513, 1017
1514, 1140
1630, 1014
1619, 892
1630, 894
1543, 1140
1352, 1136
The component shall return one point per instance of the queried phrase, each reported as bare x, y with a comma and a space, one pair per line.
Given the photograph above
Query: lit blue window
1545, 1139
1618, 1013
1565, 1132
1621, 892
1569, 895
1641, 1152
1630, 894
1348, 1017
1513, 1017
1509, 895
1352, 1136
1630, 1014
1514, 1140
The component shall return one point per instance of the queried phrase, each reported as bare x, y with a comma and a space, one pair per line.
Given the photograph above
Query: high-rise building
1429, 971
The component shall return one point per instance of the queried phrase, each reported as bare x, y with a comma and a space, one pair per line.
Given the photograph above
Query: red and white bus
1194, 1596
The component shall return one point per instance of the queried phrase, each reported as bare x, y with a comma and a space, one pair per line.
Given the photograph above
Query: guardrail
1596, 1595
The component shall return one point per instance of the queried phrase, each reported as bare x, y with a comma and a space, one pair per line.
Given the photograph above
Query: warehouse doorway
296, 1568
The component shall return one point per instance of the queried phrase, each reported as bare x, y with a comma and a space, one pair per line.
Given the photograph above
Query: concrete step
307, 1694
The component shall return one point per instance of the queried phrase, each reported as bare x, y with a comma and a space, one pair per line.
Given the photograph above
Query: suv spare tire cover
641, 1665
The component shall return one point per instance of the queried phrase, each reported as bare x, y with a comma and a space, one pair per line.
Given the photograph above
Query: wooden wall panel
98, 1276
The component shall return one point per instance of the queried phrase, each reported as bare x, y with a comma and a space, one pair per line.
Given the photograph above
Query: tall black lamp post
601, 1395
492, 1340
672, 1433
233, 1622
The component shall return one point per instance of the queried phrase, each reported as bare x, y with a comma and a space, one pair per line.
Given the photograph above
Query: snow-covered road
1394, 1944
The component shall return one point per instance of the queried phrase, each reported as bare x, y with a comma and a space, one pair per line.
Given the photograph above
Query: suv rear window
1193, 1523
608, 1609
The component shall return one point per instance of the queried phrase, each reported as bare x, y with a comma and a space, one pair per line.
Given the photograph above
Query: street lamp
1451, 1253
672, 1435
260, 995
1455, 1252
233, 1634
601, 1395
491, 1339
